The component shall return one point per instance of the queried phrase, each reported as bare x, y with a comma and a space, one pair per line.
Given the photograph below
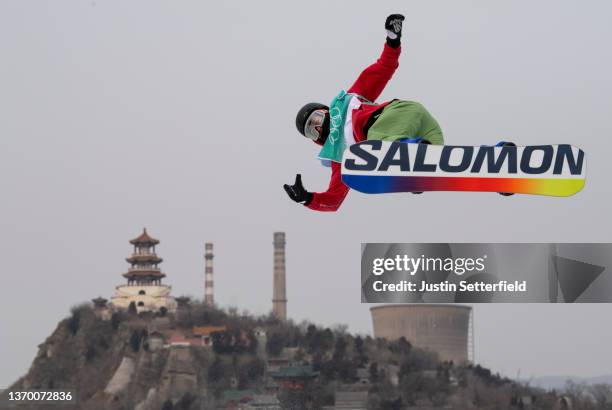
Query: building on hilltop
101, 308
294, 377
350, 400
205, 333
144, 286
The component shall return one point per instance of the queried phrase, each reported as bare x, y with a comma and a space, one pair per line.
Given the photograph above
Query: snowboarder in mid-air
353, 116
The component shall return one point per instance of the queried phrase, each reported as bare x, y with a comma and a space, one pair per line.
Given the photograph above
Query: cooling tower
444, 329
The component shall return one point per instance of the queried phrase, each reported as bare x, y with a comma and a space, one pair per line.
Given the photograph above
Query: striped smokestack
208, 274
279, 297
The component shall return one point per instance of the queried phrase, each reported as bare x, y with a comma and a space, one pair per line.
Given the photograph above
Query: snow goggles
314, 125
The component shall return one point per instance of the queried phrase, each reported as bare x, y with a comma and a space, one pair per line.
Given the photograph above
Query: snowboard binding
419, 140
505, 144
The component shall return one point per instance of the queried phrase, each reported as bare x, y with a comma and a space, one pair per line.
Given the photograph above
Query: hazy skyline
179, 116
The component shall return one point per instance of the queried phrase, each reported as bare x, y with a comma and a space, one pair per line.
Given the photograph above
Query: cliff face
111, 365
79, 355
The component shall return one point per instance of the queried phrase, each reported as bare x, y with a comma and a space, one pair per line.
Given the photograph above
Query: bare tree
602, 394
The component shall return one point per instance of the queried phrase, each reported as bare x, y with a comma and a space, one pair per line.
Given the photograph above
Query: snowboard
378, 167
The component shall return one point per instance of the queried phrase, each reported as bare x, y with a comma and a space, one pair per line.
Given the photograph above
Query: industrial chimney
279, 297
208, 274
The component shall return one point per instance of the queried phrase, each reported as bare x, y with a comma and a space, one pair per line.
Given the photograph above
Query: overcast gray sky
179, 116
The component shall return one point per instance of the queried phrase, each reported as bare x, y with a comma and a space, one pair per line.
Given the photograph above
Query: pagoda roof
239, 395
99, 301
208, 330
135, 258
144, 274
144, 239
182, 300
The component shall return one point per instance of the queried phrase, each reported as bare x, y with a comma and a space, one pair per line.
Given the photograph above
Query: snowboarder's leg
405, 119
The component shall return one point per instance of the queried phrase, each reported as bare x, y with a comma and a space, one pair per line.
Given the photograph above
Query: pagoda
144, 287
144, 261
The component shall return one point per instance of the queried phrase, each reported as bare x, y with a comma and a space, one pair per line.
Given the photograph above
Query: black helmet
304, 113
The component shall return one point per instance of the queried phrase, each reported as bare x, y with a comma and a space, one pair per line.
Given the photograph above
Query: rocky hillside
205, 358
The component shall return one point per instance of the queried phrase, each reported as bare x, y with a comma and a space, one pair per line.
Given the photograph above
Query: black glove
393, 25
297, 191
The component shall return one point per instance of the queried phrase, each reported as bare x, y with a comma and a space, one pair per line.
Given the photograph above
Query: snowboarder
353, 116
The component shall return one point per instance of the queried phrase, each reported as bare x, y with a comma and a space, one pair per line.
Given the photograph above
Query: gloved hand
297, 191
393, 25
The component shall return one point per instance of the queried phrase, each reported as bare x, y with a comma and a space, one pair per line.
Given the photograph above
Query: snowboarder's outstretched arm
328, 201
372, 81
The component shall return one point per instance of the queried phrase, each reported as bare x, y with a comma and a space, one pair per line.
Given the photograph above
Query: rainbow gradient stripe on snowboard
376, 167
382, 184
